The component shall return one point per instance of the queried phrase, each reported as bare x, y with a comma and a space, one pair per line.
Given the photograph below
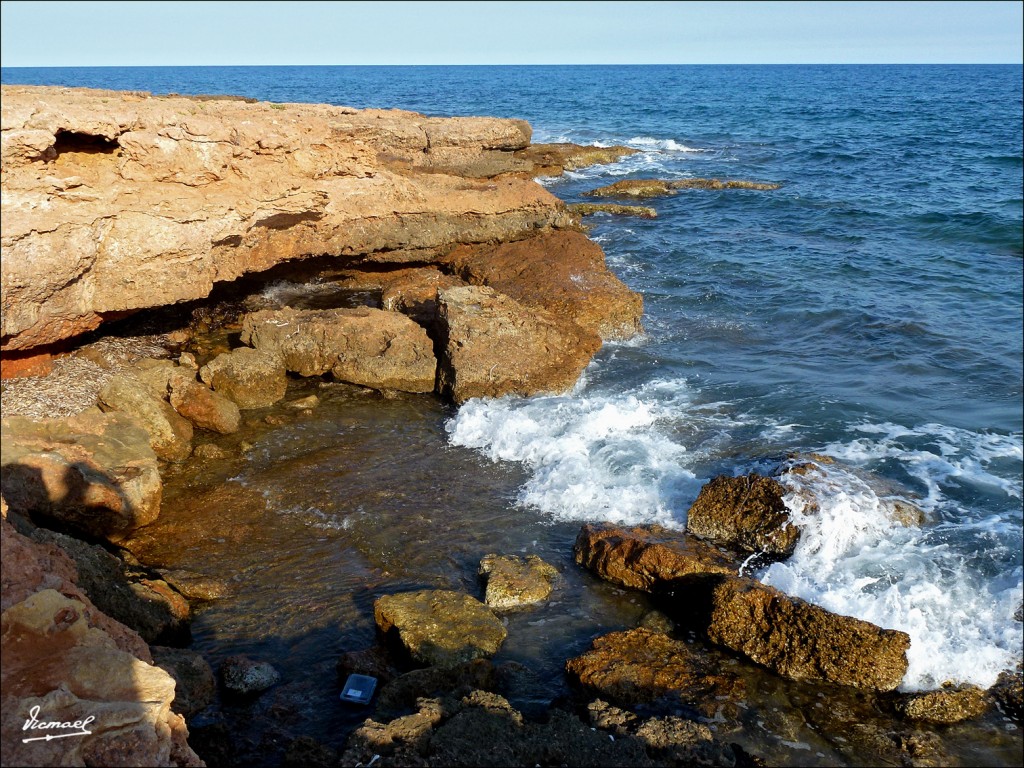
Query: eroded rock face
56, 667
369, 347
642, 557
639, 665
791, 637
492, 346
248, 377
512, 581
95, 473
563, 273
117, 201
440, 627
747, 512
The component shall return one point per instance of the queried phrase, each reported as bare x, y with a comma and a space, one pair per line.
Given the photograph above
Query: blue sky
210, 33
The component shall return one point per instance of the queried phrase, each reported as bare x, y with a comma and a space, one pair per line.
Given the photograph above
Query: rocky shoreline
447, 272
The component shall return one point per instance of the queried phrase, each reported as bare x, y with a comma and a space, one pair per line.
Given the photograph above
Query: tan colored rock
250, 378
114, 202
639, 665
513, 582
555, 159
170, 435
644, 188
56, 667
747, 512
93, 472
562, 272
589, 209
791, 637
440, 627
364, 346
492, 346
642, 557
946, 705
202, 406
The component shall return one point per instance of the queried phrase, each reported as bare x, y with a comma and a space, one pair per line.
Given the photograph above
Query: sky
59, 34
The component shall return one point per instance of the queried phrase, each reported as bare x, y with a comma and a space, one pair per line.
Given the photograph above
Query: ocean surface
870, 310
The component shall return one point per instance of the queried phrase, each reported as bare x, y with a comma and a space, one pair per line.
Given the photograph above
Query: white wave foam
664, 145
591, 457
947, 585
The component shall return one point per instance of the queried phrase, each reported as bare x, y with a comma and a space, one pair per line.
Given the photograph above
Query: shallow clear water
870, 309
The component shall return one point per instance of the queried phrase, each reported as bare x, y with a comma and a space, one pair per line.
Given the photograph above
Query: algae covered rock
245, 676
951, 704
589, 209
512, 581
440, 627
746, 512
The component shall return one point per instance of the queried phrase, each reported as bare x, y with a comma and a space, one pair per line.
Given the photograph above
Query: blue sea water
870, 310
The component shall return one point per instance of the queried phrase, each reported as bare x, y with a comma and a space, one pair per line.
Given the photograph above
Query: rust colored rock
642, 557
115, 202
639, 665
95, 473
513, 582
170, 435
369, 347
440, 627
56, 667
945, 705
561, 272
33, 363
492, 346
203, 407
745, 512
791, 637
250, 378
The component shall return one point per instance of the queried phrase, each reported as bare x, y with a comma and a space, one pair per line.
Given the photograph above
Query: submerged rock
95, 473
195, 685
512, 582
170, 434
252, 379
791, 637
642, 188
946, 705
245, 676
589, 209
492, 346
440, 627
642, 557
364, 346
746, 512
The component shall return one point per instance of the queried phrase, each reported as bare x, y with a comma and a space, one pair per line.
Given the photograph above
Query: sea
870, 310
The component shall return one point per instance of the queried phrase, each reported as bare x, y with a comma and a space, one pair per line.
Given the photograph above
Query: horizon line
538, 64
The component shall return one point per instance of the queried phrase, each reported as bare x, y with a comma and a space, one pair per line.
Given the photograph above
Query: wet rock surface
555, 159
170, 434
643, 188
245, 676
440, 627
946, 705
744, 512
589, 209
514, 582
644, 556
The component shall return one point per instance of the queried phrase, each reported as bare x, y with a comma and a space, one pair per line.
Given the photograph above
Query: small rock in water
240, 674
746, 512
946, 705
513, 581
304, 403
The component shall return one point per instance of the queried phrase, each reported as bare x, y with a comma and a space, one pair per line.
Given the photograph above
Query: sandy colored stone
248, 377
170, 434
202, 406
563, 273
589, 209
369, 347
644, 188
512, 581
747, 512
95, 473
116, 201
440, 627
555, 159
492, 346
642, 557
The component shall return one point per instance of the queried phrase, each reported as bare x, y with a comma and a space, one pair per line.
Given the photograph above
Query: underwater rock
512, 582
640, 557
195, 685
747, 512
245, 676
643, 188
440, 627
94, 473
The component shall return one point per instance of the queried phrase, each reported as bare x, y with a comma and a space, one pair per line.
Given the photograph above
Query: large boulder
791, 637
249, 377
440, 627
238, 188
95, 473
639, 665
642, 557
562, 272
58, 668
492, 346
170, 434
513, 582
369, 347
746, 512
